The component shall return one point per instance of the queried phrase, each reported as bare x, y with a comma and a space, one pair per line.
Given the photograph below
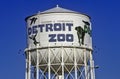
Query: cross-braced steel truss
59, 63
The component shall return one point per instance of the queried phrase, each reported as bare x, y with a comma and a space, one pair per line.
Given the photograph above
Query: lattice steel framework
79, 67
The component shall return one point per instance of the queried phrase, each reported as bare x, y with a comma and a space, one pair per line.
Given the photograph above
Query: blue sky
105, 18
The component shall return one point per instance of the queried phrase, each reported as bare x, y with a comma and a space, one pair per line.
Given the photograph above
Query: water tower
59, 45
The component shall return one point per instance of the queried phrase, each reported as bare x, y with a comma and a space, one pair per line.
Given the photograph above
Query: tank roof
56, 9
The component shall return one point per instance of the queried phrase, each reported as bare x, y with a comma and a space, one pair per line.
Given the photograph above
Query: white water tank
55, 31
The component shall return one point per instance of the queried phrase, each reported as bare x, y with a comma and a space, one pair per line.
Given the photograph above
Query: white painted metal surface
61, 28
59, 45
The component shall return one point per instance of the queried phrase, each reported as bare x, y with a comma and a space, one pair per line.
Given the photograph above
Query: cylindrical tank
59, 30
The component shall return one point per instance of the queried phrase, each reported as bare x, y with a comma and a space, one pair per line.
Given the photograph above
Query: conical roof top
58, 9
